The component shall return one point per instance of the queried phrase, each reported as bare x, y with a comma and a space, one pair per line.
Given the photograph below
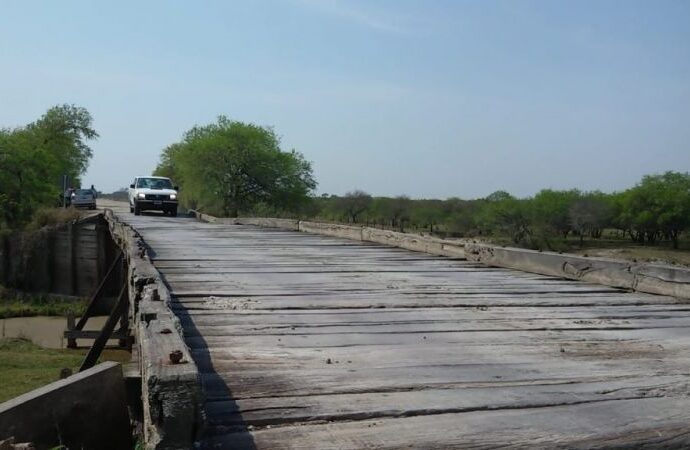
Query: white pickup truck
153, 194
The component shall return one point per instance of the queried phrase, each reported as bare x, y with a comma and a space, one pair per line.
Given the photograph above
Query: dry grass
53, 216
638, 253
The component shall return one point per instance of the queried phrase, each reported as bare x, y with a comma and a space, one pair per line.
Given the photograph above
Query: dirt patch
652, 255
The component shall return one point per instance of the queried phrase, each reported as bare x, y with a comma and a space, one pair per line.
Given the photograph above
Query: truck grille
157, 197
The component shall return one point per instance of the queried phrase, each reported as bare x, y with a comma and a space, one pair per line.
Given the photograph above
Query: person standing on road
68, 196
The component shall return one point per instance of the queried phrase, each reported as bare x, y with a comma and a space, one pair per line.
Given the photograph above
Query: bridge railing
172, 399
641, 277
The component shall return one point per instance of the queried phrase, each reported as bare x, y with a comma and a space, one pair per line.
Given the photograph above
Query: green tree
233, 166
498, 196
167, 162
590, 214
426, 213
657, 207
506, 215
355, 203
63, 132
400, 210
34, 158
550, 210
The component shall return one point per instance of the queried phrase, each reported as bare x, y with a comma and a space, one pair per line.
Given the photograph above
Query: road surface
307, 341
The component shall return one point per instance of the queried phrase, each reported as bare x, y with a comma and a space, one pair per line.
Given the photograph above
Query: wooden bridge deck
313, 342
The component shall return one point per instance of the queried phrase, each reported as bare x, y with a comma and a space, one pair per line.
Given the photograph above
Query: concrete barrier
205, 217
332, 229
414, 242
84, 411
171, 391
286, 224
268, 222
649, 278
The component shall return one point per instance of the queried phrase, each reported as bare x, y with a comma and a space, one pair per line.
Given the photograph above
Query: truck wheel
173, 212
131, 208
137, 211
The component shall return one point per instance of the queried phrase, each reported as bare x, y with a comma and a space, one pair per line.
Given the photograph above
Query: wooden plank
640, 423
296, 409
497, 337
383, 299
436, 328
318, 317
92, 334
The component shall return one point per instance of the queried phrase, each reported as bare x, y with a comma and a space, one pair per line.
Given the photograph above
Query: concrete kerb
407, 241
331, 229
171, 391
286, 224
648, 278
87, 410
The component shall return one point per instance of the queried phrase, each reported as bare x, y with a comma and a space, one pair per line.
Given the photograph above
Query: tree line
230, 168
35, 157
655, 209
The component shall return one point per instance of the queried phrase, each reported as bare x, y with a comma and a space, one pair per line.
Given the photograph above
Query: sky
431, 99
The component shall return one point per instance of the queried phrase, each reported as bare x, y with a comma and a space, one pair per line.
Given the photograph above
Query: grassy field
38, 305
25, 366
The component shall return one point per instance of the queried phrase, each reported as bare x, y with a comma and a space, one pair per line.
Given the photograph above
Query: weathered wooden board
306, 341
384, 299
636, 423
271, 410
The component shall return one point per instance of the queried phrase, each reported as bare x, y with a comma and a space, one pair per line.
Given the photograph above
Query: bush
16, 304
52, 216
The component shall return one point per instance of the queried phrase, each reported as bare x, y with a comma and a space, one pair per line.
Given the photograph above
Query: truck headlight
142, 195
173, 196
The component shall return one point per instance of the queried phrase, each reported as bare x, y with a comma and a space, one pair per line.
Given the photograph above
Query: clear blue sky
424, 98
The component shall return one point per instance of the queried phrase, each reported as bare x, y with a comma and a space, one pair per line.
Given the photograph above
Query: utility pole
64, 189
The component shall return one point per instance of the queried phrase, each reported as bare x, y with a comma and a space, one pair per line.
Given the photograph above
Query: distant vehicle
153, 194
83, 198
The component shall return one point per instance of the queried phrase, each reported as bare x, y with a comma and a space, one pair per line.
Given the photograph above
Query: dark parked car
83, 198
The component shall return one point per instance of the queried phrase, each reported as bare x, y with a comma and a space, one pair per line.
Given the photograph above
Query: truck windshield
154, 183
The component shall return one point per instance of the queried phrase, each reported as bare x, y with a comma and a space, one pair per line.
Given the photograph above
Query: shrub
52, 216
